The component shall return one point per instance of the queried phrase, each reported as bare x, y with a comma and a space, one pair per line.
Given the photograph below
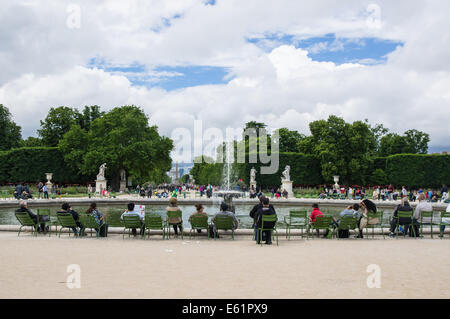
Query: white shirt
423, 206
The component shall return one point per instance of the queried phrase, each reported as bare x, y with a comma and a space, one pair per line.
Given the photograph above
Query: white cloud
43, 62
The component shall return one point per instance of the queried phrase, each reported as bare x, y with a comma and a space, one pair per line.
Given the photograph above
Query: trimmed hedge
417, 170
305, 170
29, 164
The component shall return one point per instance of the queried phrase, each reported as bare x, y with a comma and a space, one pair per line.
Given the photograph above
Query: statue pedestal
253, 186
100, 184
287, 185
123, 186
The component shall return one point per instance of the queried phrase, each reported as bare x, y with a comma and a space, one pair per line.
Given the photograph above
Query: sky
227, 62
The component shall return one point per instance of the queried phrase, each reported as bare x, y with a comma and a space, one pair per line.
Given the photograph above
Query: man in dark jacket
255, 209
67, 209
24, 208
265, 210
405, 222
18, 191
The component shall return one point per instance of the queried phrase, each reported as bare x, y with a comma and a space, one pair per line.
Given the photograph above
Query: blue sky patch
331, 49
166, 77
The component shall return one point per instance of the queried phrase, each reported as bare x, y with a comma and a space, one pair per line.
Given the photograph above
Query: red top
316, 212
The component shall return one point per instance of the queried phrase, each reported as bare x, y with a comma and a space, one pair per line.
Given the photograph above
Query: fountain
226, 192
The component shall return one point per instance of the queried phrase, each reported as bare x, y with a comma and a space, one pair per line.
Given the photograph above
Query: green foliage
10, 132
205, 171
417, 170
378, 177
121, 138
31, 142
61, 119
342, 148
29, 164
305, 170
289, 140
185, 178
412, 142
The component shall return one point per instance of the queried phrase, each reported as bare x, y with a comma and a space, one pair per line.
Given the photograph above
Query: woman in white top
445, 220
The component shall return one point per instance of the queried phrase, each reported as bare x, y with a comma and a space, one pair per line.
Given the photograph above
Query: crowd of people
360, 211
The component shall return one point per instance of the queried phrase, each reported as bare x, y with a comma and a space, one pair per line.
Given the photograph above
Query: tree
31, 142
122, 139
89, 115
185, 178
392, 143
10, 132
57, 123
289, 140
61, 119
417, 141
343, 149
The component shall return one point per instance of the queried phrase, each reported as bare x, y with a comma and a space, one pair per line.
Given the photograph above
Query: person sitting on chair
24, 209
266, 209
199, 212
67, 209
255, 209
405, 222
102, 229
422, 206
131, 212
176, 222
224, 212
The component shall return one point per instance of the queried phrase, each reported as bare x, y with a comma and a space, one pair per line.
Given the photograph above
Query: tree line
121, 137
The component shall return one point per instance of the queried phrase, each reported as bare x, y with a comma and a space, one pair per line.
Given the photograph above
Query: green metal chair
268, 219
444, 223
26, 221
295, 220
321, 222
426, 214
405, 215
89, 222
371, 216
41, 212
223, 223
199, 222
132, 222
347, 223
154, 222
174, 214
65, 220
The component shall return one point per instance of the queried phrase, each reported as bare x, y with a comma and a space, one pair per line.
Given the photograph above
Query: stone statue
101, 173
123, 175
287, 173
253, 175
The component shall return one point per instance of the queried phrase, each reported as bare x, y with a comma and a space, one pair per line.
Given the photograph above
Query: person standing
149, 191
45, 190
40, 190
